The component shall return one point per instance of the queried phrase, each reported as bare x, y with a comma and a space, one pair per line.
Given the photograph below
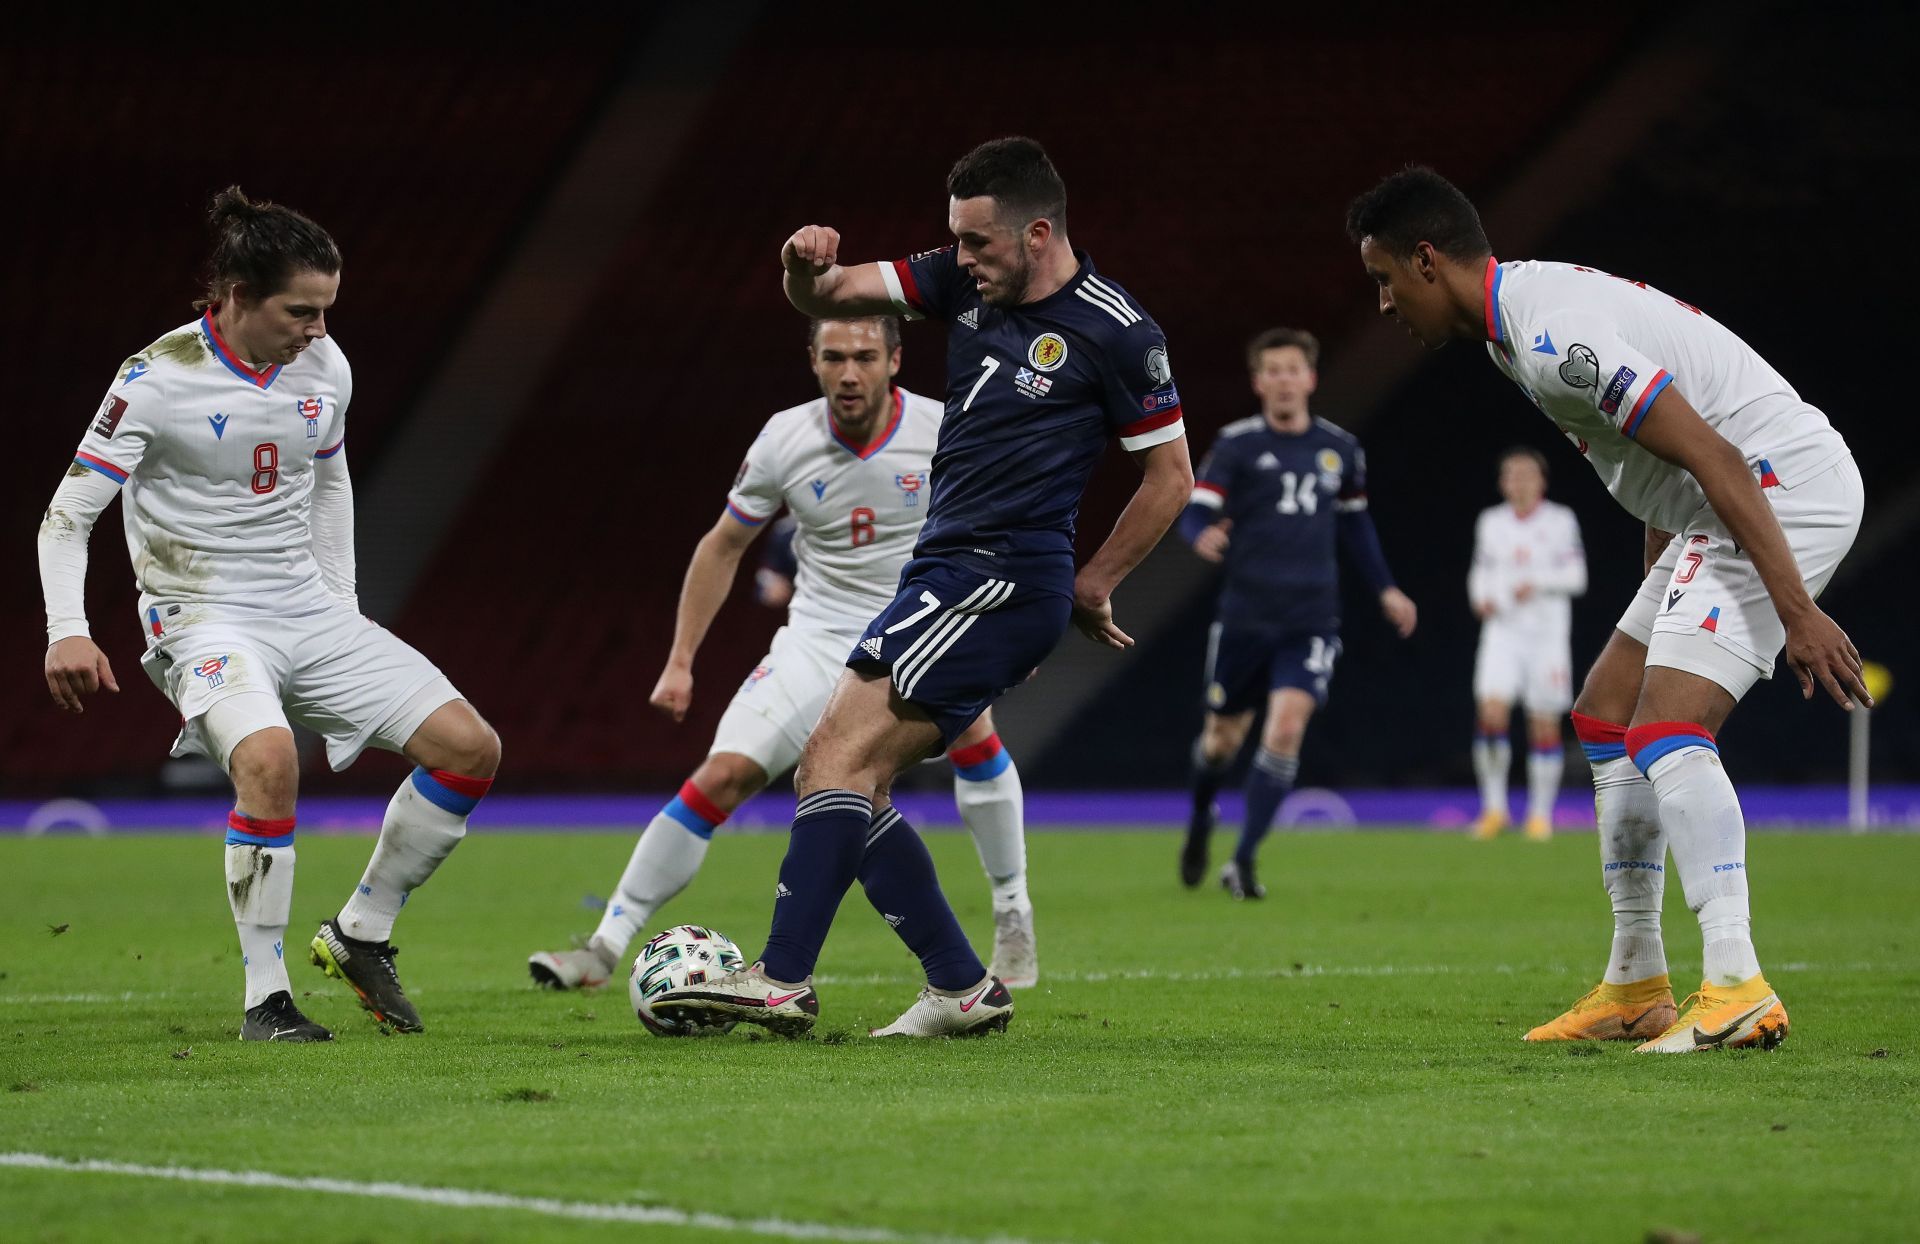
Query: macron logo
871, 647
819, 489
219, 423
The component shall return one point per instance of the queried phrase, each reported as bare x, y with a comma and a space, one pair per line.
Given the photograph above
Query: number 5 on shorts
930, 603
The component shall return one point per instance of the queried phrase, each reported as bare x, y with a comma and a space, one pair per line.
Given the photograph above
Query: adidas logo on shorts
871, 647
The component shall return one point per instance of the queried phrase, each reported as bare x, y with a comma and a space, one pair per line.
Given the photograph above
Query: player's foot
367, 967
1539, 829
1724, 1018
278, 1019
1633, 1011
587, 966
1237, 879
1489, 826
1016, 960
1193, 853
746, 997
987, 1007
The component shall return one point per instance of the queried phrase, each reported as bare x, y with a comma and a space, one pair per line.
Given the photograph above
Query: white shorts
1532, 671
1703, 609
779, 704
350, 680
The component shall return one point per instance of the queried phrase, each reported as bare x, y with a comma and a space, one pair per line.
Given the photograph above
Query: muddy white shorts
348, 679
781, 701
1703, 609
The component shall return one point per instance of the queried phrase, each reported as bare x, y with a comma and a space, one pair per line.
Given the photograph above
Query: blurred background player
1528, 565
852, 468
1274, 496
1750, 498
1046, 362
243, 550
773, 581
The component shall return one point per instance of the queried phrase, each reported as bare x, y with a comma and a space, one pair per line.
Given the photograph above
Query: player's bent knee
265, 768
729, 779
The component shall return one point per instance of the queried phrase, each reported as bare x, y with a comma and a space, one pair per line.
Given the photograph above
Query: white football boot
584, 967
1016, 961
747, 997
987, 1007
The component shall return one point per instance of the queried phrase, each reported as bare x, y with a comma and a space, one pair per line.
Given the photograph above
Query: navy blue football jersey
1285, 494
1033, 394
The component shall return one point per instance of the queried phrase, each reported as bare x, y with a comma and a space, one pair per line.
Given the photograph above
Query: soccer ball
684, 955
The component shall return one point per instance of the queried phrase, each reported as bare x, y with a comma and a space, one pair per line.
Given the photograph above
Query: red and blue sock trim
1489, 736
982, 762
451, 792
693, 809
1648, 743
258, 831
1602, 741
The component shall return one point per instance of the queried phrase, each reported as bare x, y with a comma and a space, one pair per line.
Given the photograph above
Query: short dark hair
1016, 173
1527, 451
1279, 339
261, 245
889, 328
1418, 205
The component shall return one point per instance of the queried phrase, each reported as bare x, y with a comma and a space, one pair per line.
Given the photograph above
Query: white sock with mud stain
260, 892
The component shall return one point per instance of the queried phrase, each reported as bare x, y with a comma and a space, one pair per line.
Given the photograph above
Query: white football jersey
1593, 351
217, 460
858, 508
1541, 550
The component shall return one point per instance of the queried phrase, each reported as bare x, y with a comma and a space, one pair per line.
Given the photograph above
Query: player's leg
663, 863
1544, 697
986, 789
1270, 779
1496, 683
1221, 737
1634, 999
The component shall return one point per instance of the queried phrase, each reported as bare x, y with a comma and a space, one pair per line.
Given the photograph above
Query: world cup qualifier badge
910, 486
311, 409
213, 669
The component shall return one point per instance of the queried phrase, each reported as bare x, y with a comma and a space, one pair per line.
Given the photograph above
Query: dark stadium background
561, 302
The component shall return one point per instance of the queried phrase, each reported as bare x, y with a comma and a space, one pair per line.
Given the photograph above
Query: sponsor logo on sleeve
1047, 352
1162, 400
1159, 368
1581, 369
108, 419
1616, 390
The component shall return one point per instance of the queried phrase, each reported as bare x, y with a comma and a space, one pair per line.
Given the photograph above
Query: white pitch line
465, 1198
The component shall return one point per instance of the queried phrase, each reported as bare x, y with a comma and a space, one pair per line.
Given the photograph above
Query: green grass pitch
1340, 1062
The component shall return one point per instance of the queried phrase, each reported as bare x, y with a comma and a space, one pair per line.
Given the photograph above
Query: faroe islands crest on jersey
859, 507
217, 462
1033, 394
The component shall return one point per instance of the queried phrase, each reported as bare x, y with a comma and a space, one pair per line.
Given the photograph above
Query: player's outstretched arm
332, 526
817, 285
1165, 485
716, 559
1817, 648
74, 664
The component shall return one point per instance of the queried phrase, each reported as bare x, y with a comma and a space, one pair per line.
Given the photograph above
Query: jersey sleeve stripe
745, 517
1101, 289
332, 449
902, 288
1118, 312
1157, 430
1640, 408
1212, 496
112, 472
1492, 283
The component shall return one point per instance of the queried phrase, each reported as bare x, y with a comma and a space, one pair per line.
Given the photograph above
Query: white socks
1633, 867
663, 863
1492, 757
986, 789
1709, 840
1544, 768
426, 818
260, 892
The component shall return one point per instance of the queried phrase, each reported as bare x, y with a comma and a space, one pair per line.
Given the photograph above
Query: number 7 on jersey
991, 365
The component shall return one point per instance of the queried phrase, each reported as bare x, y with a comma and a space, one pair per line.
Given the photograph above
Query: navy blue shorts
1246, 664
954, 639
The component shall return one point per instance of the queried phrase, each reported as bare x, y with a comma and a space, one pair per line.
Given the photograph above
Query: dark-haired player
1047, 360
1750, 500
1273, 499
228, 439
851, 466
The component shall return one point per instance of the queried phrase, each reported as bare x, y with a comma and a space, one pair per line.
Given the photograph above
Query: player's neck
1058, 265
1290, 423
226, 323
863, 433
1524, 511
